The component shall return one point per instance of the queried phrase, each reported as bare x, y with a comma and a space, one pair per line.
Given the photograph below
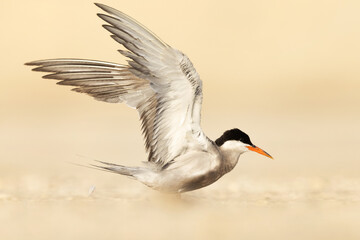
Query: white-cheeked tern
162, 84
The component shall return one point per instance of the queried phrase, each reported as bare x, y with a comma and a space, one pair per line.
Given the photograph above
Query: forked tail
119, 169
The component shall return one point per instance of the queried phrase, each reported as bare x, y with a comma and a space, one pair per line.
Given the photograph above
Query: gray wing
160, 82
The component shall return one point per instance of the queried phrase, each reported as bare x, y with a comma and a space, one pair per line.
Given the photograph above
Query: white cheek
234, 146
230, 145
231, 151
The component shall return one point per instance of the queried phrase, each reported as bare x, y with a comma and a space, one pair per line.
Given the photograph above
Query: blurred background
285, 72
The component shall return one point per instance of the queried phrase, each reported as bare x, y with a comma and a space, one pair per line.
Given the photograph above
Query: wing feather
159, 81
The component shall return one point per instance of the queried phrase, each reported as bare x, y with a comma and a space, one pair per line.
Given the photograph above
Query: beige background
285, 72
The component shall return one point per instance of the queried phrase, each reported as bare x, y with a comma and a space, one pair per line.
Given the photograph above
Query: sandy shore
70, 208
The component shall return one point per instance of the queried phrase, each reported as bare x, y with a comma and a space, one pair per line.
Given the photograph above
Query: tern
161, 83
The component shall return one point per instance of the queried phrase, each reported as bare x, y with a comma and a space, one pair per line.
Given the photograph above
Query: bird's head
238, 142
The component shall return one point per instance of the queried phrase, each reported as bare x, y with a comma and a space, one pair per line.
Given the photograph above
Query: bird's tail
120, 169
147, 176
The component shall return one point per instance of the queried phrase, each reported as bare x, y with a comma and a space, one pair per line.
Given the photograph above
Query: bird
161, 83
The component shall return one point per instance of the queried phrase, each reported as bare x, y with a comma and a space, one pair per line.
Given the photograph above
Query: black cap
233, 134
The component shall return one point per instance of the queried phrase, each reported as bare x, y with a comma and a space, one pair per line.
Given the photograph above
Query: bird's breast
191, 171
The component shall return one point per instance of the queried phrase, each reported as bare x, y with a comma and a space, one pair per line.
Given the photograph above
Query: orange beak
259, 150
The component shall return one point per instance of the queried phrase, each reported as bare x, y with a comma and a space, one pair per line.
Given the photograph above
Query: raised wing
160, 82
108, 82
